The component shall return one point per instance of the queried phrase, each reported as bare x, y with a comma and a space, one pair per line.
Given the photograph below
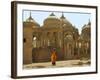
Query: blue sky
77, 19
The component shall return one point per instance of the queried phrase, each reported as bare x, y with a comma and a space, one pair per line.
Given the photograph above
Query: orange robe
53, 57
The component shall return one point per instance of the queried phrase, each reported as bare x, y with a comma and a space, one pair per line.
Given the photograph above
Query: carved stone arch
68, 37
34, 41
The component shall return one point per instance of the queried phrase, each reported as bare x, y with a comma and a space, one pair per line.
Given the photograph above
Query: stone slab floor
67, 63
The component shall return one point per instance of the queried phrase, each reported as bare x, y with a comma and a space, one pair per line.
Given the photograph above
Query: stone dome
52, 17
87, 26
31, 20
86, 31
64, 20
65, 23
52, 20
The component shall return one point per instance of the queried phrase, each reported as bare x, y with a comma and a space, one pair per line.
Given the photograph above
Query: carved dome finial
52, 14
89, 23
62, 17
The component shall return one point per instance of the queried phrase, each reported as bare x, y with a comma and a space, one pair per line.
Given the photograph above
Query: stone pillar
27, 44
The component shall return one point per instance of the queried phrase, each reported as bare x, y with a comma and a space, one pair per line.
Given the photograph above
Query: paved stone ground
67, 63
